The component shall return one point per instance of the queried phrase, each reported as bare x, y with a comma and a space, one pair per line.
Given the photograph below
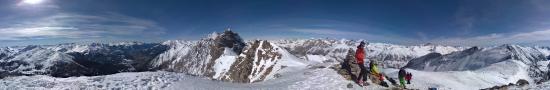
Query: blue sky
408, 22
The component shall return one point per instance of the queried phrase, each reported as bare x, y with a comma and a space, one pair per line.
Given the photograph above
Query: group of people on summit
373, 72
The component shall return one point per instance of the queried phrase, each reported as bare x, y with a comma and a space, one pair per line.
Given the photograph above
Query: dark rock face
243, 67
232, 40
202, 55
418, 63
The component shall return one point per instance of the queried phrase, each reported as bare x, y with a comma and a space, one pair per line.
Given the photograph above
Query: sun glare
33, 1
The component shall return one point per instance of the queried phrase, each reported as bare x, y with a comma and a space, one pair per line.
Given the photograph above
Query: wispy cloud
328, 32
497, 39
336, 33
72, 25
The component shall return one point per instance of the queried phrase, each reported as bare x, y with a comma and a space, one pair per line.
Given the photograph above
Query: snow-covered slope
508, 62
308, 79
261, 60
124, 81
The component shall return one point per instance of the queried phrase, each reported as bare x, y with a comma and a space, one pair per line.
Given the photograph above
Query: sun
32, 1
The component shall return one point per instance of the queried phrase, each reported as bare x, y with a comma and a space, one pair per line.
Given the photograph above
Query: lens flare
33, 1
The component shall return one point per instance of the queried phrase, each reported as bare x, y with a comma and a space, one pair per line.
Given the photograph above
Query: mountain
220, 56
511, 60
294, 63
225, 56
390, 55
66, 60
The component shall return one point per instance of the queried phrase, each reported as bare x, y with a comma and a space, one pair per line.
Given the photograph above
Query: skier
360, 56
402, 73
408, 78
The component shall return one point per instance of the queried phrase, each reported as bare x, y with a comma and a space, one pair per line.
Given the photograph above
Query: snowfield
293, 79
313, 79
466, 80
126, 81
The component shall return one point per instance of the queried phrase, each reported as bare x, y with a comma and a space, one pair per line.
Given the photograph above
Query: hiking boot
360, 82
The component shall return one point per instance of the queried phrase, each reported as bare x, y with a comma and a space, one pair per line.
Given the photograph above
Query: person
374, 68
375, 75
360, 56
408, 78
401, 75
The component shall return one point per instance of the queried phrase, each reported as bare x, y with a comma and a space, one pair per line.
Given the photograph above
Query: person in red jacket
408, 77
360, 56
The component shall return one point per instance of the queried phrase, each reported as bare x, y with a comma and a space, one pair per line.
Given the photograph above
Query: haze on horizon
445, 22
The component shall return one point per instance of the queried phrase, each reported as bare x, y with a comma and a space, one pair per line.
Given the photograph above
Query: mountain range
227, 57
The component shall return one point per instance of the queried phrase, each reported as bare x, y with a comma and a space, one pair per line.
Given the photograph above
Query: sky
406, 22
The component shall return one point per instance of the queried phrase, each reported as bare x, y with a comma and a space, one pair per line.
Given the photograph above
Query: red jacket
360, 55
408, 77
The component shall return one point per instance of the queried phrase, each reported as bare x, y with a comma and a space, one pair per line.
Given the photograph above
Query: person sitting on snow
375, 75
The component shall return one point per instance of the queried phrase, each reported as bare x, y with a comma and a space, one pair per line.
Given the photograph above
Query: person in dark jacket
402, 73
360, 56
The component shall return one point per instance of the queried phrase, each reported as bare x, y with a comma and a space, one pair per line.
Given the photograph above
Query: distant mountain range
227, 57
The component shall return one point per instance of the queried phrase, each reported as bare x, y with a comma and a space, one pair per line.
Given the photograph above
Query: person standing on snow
360, 56
401, 75
408, 78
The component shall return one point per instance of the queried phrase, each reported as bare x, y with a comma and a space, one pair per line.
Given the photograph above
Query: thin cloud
353, 35
497, 39
71, 25
328, 32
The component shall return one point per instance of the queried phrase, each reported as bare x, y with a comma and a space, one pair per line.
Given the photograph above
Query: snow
296, 79
224, 62
287, 60
309, 79
126, 81
544, 50
495, 75
296, 74
316, 58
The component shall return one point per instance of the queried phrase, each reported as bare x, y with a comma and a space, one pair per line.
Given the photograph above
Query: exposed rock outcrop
198, 58
255, 63
349, 69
